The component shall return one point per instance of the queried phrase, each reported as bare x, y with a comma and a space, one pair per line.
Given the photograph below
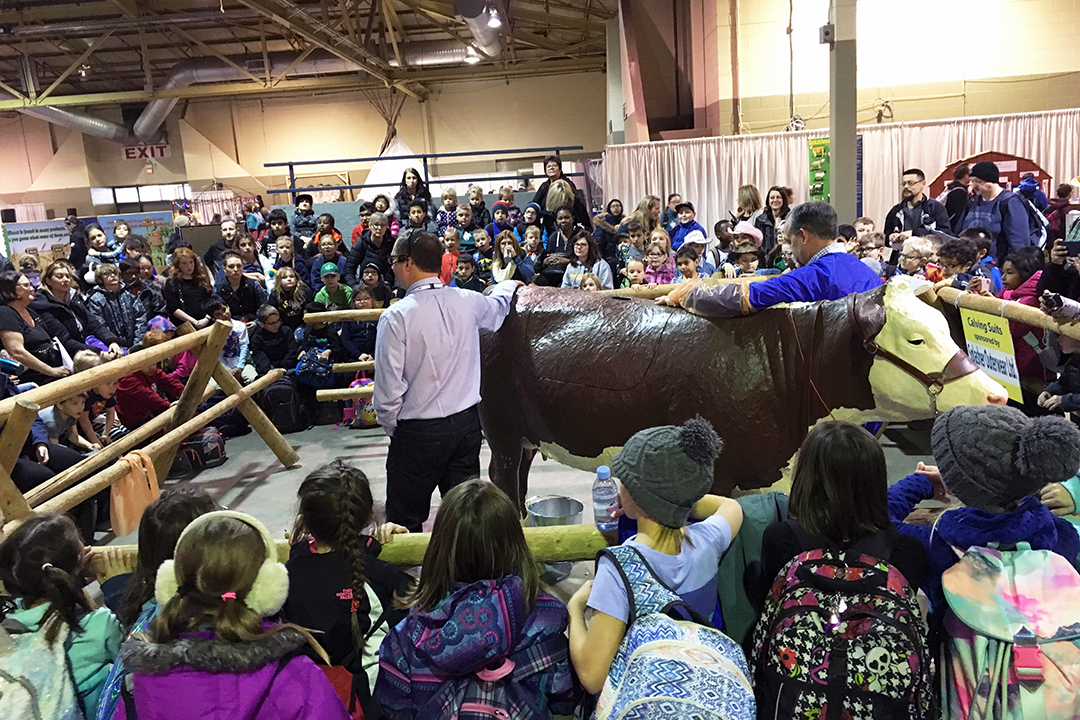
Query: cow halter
958, 366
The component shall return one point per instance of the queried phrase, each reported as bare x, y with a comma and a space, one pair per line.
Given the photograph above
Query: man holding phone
1060, 276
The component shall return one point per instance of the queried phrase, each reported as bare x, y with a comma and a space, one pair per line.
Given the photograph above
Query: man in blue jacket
825, 272
1000, 211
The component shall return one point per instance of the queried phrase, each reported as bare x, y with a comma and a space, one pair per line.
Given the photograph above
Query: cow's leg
506, 459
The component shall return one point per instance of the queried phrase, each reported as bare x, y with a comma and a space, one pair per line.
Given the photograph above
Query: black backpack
283, 406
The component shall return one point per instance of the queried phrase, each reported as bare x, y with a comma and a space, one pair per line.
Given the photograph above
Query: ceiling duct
431, 52
477, 16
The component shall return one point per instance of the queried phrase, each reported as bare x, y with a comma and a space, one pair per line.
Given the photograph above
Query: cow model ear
870, 312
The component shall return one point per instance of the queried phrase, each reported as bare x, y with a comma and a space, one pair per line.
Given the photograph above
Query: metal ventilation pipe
476, 14
431, 52
211, 70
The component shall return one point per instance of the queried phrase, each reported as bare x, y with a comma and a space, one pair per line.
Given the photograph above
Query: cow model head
918, 370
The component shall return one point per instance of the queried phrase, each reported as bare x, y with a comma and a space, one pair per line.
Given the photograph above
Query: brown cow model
576, 374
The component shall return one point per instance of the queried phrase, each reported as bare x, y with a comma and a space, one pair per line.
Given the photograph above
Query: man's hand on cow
1058, 499
941, 493
675, 297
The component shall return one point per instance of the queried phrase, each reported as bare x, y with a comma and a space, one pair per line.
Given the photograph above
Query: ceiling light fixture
494, 21
470, 55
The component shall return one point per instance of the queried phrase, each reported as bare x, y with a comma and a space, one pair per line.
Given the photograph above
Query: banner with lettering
154, 226
990, 346
38, 243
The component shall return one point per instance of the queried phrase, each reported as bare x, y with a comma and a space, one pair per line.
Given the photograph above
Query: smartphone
934, 273
1052, 301
1072, 247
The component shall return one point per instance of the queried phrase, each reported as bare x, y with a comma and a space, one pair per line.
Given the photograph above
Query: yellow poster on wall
990, 346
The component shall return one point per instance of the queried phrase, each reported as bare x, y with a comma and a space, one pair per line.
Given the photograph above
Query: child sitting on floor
358, 336
234, 355
97, 421
272, 345
61, 423
477, 564
664, 474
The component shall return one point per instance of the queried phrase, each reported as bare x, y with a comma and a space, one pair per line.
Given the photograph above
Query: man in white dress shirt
427, 379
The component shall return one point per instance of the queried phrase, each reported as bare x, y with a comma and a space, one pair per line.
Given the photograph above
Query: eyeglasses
395, 259
911, 183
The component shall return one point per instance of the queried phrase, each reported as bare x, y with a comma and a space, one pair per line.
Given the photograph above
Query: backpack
202, 449
313, 371
1037, 222
1012, 629
284, 407
668, 668
36, 680
361, 412
841, 635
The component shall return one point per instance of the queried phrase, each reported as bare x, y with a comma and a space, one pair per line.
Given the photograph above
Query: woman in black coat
412, 188
57, 302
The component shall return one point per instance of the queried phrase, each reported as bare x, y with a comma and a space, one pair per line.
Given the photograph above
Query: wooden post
17, 428
254, 414
209, 355
93, 485
111, 452
647, 293
1010, 310
345, 393
12, 502
55, 391
548, 544
354, 366
333, 316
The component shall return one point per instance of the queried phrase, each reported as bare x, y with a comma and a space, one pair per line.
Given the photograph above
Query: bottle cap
603, 472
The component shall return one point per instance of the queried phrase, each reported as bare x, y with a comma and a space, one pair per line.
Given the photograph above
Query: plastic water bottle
605, 496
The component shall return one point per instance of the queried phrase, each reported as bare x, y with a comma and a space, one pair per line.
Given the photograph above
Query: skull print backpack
841, 636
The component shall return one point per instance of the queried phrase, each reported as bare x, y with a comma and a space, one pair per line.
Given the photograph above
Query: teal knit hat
667, 469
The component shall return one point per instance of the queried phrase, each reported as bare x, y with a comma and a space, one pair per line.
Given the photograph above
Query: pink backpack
361, 412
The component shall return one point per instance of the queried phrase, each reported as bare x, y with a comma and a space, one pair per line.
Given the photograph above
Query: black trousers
429, 454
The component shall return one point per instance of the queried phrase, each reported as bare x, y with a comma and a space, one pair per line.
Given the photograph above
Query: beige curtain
709, 171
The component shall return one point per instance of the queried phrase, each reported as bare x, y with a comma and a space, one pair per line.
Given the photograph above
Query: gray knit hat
667, 469
991, 455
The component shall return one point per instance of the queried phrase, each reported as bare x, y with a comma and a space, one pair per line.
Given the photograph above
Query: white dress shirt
427, 352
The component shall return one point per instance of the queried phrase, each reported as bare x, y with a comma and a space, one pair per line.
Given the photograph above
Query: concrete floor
253, 481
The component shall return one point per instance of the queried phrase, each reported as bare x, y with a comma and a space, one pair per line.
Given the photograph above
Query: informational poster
820, 181
990, 346
154, 226
43, 241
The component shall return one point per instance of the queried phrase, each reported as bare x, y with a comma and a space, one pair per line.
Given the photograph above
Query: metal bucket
549, 510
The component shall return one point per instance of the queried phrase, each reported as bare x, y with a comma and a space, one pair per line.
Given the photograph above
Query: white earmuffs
271, 586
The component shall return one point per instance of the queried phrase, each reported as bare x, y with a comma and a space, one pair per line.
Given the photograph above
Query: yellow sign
990, 346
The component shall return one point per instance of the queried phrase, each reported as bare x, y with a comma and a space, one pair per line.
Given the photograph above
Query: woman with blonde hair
562, 193
510, 262
750, 205
647, 213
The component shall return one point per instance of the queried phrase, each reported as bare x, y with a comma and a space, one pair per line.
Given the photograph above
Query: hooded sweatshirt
1030, 522
433, 663
199, 676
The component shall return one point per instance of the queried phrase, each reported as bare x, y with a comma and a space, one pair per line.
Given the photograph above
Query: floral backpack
1012, 649
668, 668
842, 636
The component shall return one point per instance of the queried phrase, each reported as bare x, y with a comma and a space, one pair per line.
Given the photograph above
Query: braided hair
41, 562
335, 508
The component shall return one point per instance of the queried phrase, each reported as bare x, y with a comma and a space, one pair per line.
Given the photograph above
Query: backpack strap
646, 593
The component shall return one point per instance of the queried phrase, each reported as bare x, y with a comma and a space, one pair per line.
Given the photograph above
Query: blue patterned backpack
841, 636
668, 668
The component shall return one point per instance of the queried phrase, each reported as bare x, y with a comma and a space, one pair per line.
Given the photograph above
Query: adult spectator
559, 194
427, 379
78, 240
23, 333
585, 260
412, 188
749, 204
374, 245
243, 295
647, 213
187, 289
825, 272
1000, 211
1057, 210
59, 305
772, 219
915, 214
216, 253
606, 228
669, 219
553, 170
955, 197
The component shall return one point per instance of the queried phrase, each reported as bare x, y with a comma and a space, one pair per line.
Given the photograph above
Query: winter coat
311, 249
365, 251
684, 229
299, 264
446, 218
1027, 360
149, 295
292, 312
932, 218
120, 311
358, 337
956, 199
199, 676
408, 229
767, 225
605, 228
1030, 522
481, 215
75, 318
316, 267
267, 350
141, 396
79, 245
245, 301
1067, 385
581, 213
427, 671
1056, 211
305, 223
187, 295
403, 200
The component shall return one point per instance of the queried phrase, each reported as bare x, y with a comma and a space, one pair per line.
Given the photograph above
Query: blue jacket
358, 337
965, 527
300, 265
685, 229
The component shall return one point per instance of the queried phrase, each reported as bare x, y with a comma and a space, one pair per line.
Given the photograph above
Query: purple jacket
476, 654
201, 677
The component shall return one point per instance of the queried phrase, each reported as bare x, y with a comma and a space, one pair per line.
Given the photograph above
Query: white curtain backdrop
709, 171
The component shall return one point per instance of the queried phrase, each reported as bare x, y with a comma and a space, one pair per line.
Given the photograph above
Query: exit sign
147, 152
